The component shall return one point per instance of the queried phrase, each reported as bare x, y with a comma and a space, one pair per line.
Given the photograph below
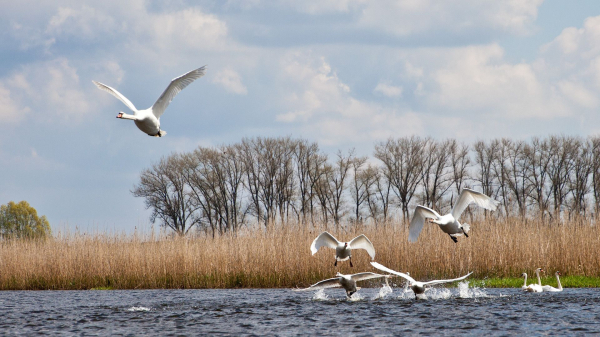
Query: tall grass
281, 257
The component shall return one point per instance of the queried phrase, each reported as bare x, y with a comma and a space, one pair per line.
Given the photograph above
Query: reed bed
281, 257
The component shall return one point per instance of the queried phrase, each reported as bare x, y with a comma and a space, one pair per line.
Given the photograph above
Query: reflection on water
371, 311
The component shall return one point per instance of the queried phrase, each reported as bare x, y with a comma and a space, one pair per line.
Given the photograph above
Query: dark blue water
372, 311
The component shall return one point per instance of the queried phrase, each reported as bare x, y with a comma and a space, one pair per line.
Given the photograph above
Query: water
371, 311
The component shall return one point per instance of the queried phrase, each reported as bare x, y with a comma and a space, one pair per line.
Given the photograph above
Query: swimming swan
449, 222
348, 282
149, 120
416, 286
534, 287
342, 249
552, 289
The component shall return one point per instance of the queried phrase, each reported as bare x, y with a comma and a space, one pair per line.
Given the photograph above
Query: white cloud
324, 108
388, 90
231, 81
11, 112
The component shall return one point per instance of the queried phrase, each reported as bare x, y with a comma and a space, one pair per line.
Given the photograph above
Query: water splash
465, 292
320, 295
355, 297
383, 292
138, 309
437, 294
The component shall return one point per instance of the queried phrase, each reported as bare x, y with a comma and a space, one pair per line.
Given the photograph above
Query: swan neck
525, 282
558, 281
538, 277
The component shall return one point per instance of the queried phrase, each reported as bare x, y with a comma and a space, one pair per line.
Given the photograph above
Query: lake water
371, 311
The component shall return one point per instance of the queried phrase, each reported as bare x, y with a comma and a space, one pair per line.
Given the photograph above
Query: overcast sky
343, 73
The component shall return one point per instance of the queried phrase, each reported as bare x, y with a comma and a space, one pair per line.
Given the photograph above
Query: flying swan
342, 249
449, 222
416, 286
348, 282
534, 287
552, 289
149, 120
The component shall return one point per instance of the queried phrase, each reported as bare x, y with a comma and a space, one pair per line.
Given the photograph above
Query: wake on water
407, 294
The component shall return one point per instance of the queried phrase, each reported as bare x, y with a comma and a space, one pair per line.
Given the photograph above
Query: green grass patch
517, 282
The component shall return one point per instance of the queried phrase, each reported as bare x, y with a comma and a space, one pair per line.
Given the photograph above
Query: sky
343, 73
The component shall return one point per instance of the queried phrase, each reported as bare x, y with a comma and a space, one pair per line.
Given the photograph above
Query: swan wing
468, 196
176, 85
323, 240
416, 224
447, 281
117, 94
365, 276
362, 242
388, 270
329, 283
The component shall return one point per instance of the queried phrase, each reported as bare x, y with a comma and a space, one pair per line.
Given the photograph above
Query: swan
524, 287
416, 286
449, 222
348, 282
342, 249
149, 120
552, 289
534, 287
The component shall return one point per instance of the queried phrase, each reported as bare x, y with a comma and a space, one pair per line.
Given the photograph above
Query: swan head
524, 275
123, 115
345, 244
557, 273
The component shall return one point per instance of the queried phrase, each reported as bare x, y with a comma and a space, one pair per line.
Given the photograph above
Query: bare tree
595, 168
403, 160
436, 174
579, 180
517, 171
360, 185
561, 151
164, 189
460, 162
538, 159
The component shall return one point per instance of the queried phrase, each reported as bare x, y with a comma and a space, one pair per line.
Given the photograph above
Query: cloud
388, 90
48, 90
323, 106
231, 81
11, 112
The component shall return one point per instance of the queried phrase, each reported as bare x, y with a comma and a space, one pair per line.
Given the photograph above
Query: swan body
449, 222
148, 120
416, 286
552, 289
342, 249
348, 282
534, 287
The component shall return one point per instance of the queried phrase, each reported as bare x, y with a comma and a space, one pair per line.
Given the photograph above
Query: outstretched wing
324, 239
388, 270
418, 220
447, 281
365, 276
176, 85
329, 283
116, 94
362, 242
468, 196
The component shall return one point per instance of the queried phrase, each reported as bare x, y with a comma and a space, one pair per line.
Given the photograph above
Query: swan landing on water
149, 120
342, 249
416, 286
449, 222
348, 282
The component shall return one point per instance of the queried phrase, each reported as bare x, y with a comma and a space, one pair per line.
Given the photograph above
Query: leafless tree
537, 156
402, 164
579, 180
360, 185
164, 190
517, 171
436, 174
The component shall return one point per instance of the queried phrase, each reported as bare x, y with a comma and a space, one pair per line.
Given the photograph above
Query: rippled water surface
371, 311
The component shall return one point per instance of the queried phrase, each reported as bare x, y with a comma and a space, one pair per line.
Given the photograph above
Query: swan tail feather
466, 228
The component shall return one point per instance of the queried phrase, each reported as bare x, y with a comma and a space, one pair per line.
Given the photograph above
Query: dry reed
281, 257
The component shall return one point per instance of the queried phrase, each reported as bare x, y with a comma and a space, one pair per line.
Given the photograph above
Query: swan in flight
348, 282
342, 249
149, 120
552, 289
449, 222
416, 286
534, 287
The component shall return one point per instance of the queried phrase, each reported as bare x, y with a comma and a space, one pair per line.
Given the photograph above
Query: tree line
270, 181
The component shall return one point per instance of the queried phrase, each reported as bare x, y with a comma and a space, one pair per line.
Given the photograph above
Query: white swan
342, 249
348, 282
449, 222
416, 286
524, 287
534, 287
149, 120
552, 289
